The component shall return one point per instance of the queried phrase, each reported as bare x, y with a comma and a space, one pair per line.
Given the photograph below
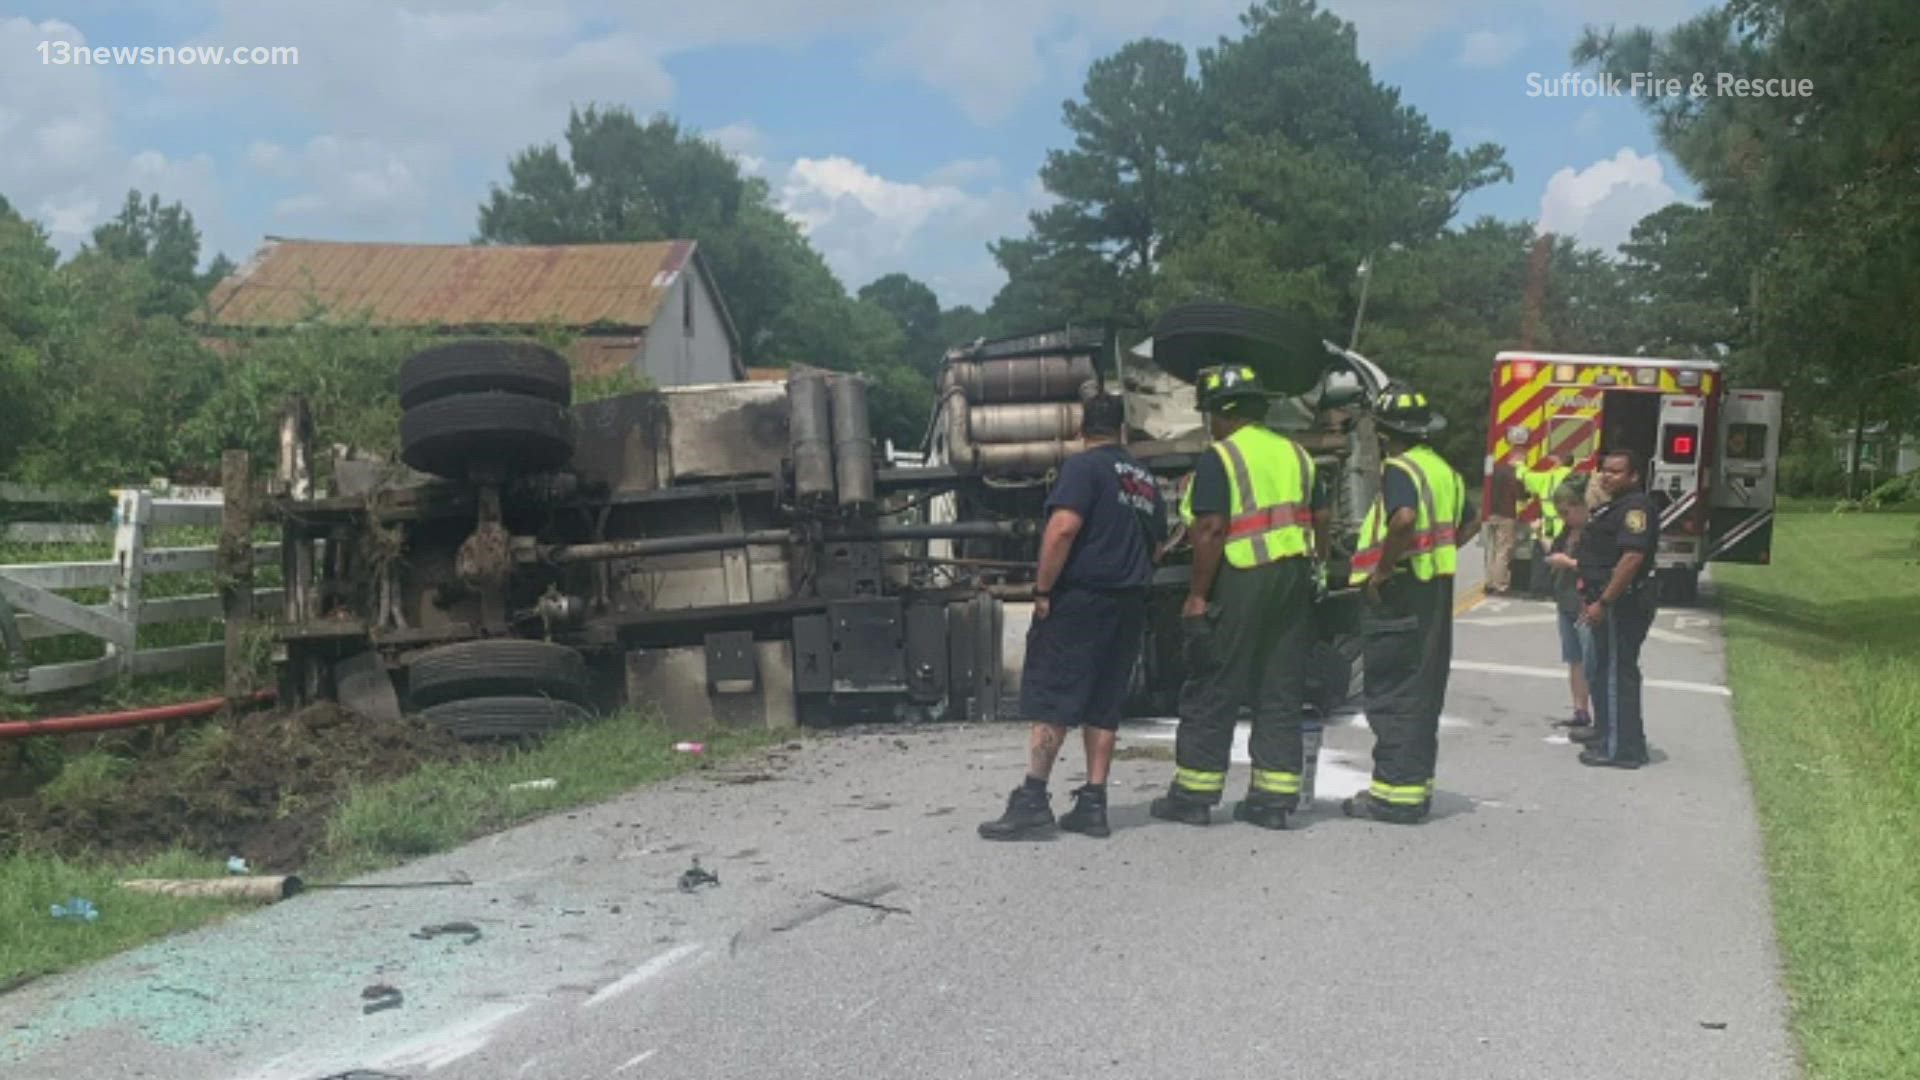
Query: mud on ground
262, 789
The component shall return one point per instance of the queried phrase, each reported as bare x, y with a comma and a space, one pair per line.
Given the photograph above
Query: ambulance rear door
1746, 480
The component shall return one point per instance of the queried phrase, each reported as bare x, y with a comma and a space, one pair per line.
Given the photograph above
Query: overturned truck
743, 554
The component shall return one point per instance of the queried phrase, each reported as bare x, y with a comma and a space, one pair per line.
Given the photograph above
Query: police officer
1247, 620
1616, 558
1408, 552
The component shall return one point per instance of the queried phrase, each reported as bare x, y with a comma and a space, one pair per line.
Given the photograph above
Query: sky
902, 137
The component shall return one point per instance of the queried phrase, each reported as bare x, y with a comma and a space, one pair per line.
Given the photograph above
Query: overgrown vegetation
368, 826
1827, 699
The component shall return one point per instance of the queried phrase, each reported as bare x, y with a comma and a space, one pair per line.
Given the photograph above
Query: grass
442, 805
33, 943
1821, 649
85, 780
377, 826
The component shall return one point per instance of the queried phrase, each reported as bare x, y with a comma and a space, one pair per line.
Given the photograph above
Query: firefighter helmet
1227, 383
1403, 409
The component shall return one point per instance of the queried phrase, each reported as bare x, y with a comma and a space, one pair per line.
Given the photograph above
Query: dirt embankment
260, 786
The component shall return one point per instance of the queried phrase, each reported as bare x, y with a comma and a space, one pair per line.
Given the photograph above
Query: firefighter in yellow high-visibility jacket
1409, 549
1247, 623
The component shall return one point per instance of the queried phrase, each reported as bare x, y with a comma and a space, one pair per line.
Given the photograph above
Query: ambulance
1712, 451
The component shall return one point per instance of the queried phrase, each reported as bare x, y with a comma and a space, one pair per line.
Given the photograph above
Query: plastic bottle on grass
690, 747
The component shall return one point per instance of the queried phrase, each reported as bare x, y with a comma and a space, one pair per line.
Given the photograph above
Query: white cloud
360, 183
866, 225
1600, 205
1489, 48
745, 142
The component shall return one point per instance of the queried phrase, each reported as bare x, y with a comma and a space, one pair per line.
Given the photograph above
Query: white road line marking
1560, 674
635, 1060
1510, 620
862, 1010
1672, 638
1691, 622
645, 973
438, 1049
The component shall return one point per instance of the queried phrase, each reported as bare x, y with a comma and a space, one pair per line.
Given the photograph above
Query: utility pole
1366, 279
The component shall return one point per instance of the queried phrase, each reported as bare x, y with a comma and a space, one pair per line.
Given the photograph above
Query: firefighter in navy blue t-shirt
1106, 520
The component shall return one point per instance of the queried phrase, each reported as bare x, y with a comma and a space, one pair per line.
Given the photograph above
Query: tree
166, 241
1266, 178
1816, 190
917, 311
28, 313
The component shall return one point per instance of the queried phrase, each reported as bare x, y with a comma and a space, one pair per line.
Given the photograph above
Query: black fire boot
1027, 815
1173, 807
1364, 805
1266, 813
1089, 813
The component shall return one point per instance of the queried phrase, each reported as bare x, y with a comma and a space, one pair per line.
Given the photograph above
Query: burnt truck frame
743, 555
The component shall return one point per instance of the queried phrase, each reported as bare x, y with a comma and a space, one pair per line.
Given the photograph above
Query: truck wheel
501, 667
481, 719
473, 367
511, 433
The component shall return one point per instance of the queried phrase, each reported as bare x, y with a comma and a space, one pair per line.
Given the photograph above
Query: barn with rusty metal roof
651, 307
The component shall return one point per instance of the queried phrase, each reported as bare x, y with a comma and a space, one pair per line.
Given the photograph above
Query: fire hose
157, 714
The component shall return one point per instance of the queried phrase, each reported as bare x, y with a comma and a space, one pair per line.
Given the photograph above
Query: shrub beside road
1822, 649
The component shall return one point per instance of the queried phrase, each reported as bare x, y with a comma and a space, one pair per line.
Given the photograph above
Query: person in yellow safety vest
1247, 623
1409, 549
1541, 486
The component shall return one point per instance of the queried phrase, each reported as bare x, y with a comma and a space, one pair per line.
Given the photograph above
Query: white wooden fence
33, 589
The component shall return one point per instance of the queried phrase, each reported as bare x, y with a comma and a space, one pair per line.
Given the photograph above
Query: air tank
811, 424
1038, 422
852, 442
1023, 378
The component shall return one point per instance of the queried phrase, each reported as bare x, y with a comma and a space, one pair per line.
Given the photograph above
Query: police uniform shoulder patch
1636, 520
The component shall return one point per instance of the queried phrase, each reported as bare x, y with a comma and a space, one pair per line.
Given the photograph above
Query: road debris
690, 748
856, 902
77, 908
428, 933
380, 997
696, 876
1714, 1025
238, 865
546, 784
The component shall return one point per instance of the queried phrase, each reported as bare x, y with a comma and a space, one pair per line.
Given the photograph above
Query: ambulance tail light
1525, 369
1682, 444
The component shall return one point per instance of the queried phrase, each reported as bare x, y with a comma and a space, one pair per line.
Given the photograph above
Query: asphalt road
1551, 921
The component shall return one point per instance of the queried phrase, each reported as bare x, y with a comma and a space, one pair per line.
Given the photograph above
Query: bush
1812, 472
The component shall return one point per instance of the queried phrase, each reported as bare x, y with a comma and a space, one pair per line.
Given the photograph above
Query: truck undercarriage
741, 554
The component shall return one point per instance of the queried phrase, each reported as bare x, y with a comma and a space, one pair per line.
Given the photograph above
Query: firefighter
1247, 623
1408, 552
1541, 485
1616, 573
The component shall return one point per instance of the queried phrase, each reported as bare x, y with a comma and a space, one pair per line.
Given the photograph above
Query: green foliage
1266, 178
85, 780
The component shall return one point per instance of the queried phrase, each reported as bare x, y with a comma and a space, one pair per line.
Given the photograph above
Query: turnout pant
1408, 650
1250, 649
1616, 676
